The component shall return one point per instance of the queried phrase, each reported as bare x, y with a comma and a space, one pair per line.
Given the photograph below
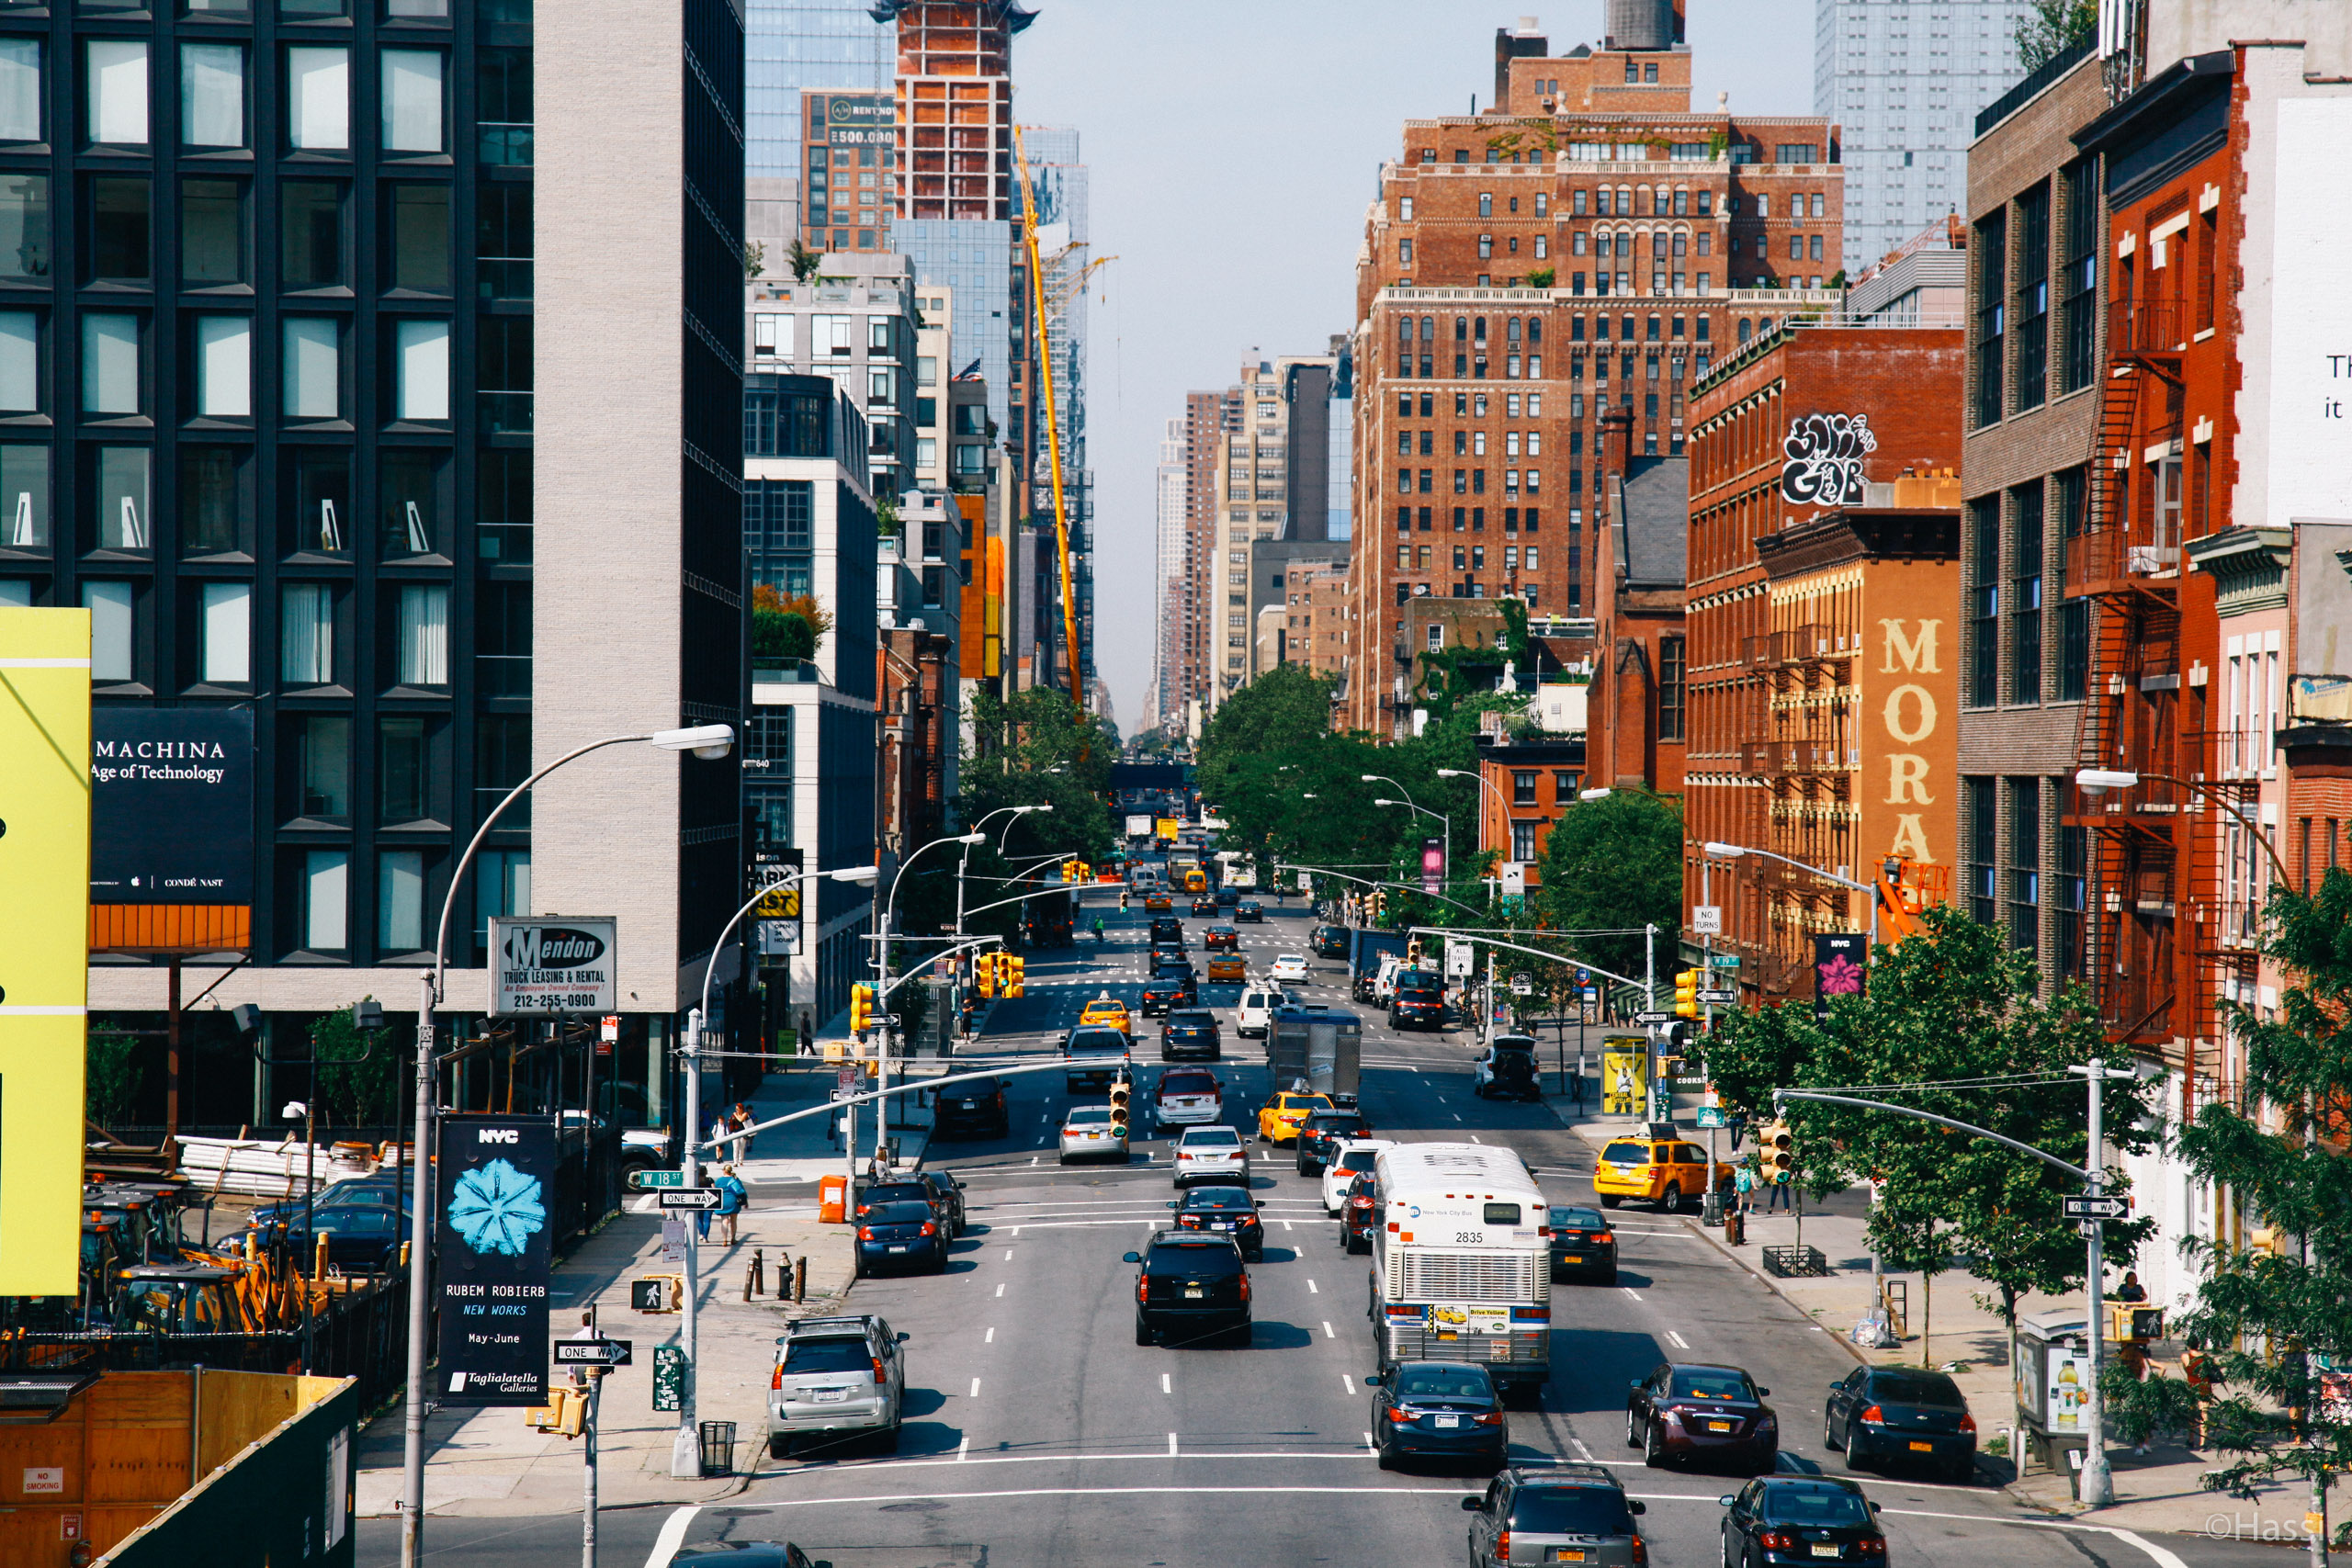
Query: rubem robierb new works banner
492, 1202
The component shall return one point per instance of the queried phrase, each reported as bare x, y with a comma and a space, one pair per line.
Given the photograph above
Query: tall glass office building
790, 45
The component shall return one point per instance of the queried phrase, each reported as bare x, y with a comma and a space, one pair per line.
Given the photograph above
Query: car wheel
1857, 1456
1633, 1431
1610, 1278
1061, 1159
1671, 1199
1386, 1460
1610, 1200
1828, 1432
780, 1445
1256, 1256
1143, 1330
890, 1439
1770, 1462
1654, 1447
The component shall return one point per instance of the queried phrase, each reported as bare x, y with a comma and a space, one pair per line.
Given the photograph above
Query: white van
1259, 1001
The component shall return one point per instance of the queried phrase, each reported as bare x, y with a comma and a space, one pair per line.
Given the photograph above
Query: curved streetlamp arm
1406, 887
1539, 952
2041, 1155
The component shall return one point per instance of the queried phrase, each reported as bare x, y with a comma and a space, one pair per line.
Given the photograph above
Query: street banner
1838, 961
496, 1181
1432, 865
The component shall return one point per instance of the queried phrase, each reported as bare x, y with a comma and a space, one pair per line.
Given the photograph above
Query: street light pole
1442, 817
1733, 851
2098, 1481
708, 740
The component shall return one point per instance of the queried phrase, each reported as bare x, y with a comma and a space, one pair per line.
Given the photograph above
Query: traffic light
566, 1411
1013, 969
1121, 1090
1686, 993
984, 974
1069, 871
1777, 1148
861, 1009
1413, 953
658, 1292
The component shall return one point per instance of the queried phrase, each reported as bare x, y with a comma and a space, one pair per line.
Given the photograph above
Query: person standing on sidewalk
1779, 1197
733, 1200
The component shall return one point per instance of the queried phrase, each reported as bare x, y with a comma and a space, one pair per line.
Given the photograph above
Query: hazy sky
1233, 146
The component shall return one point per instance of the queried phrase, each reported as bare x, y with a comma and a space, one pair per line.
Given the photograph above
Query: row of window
1472, 443
1470, 481
214, 97
321, 896
2014, 280
507, 12
1411, 558
1473, 519
1641, 201
314, 635
1529, 594
2008, 554
2001, 873
1471, 329
1740, 153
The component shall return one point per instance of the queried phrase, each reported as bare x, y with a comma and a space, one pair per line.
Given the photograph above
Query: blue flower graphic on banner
497, 1209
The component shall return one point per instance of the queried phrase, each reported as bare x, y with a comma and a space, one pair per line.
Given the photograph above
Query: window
312, 373
326, 895
420, 352
310, 216
1977, 829
501, 880
502, 505
116, 86
2068, 494
2024, 593
1522, 840
2079, 282
400, 771
213, 500
212, 232
2033, 297
2073, 860
120, 251
24, 228
400, 900
20, 118
318, 95
226, 626
409, 491
423, 634
1982, 676
320, 500
212, 94
19, 362
24, 496
120, 520
306, 634
412, 100
1523, 788
1990, 246
109, 604
225, 367
420, 241
503, 86
109, 364
2025, 864
1670, 670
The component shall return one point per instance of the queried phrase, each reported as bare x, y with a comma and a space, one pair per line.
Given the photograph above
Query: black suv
1190, 1287
1191, 1036
1418, 1000
1328, 942
945, 1198
1167, 928
976, 1109
1321, 1133
1250, 910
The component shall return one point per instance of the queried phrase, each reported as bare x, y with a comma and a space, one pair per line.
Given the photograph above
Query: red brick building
1591, 244
1638, 707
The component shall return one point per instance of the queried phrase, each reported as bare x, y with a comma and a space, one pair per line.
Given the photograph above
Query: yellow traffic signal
1777, 1148
1686, 994
1412, 951
1015, 969
566, 1411
1121, 1090
1069, 871
861, 1009
984, 974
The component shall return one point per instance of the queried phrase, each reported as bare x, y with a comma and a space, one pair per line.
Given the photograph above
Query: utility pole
2098, 1481
589, 1381
685, 1448
1649, 1004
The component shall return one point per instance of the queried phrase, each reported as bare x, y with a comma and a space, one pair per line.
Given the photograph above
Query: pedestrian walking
1778, 1198
1743, 1184
732, 1200
739, 1121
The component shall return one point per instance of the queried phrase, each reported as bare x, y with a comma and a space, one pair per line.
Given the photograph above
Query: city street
1037, 1431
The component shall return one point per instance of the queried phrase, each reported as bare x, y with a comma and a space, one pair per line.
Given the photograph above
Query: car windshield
1187, 1083
1579, 1220
827, 1355
1712, 1383
1306, 1102
1359, 1159
1100, 1040
979, 1090
899, 1213
1212, 1137
1626, 1154
1442, 1382
897, 1192
1830, 1505
1339, 1121
1571, 1510
1214, 1259
1218, 1197
1916, 1388
1085, 1114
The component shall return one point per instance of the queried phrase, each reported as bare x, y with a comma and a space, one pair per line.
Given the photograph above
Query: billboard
493, 1185
1433, 865
1839, 963
2311, 321
860, 120
551, 966
172, 806
44, 944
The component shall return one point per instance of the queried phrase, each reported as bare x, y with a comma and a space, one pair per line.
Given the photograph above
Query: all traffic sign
1649, 1018
595, 1353
646, 1180
2101, 1207
692, 1197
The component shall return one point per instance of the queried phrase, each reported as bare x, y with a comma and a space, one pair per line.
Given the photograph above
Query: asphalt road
1039, 1432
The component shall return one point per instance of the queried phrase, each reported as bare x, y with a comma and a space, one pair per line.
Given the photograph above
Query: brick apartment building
1638, 707
1591, 243
1820, 568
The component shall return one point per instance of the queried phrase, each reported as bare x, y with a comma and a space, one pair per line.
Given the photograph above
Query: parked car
1228, 969
1565, 1513
1320, 1136
1671, 1172
1583, 1247
1191, 1286
1192, 1034
1289, 966
1901, 1414
905, 1232
1211, 1153
1788, 1520
1506, 1069
361, 1238
836, 1377
1256, 1013
1250, 910
1360, 1212
1228, 1211
1437, 1410
1353, 1158
976, 1109
378, 1190
1188, 1097
1687, 1412
1088, 1132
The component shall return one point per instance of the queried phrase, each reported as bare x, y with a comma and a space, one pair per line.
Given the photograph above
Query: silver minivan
836, 1378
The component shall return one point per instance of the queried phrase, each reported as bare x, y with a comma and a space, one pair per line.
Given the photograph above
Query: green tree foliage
111, 1077
1615, 863
2265, 1317
2050, 28
360, 1074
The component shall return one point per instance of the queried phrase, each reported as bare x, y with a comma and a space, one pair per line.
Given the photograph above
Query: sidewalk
2155, 1491
487, 1462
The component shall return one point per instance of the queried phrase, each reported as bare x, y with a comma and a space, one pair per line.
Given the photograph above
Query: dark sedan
1583, 1247
1168, 991
976, 1109
1437, 1410
1228, 896
1204, 906
1224, 937
1360, 1212
1191, 1287
376, 1191
1250, 910
1167, 928
1228, 1211
1902, 1414
361, 1238
1321, 1134
902, 1233
1790, 1519
1685, 1412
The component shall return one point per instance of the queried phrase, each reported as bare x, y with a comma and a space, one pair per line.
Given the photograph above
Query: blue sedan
904, 1235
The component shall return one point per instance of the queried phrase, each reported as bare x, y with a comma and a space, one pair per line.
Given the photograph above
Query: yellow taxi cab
1279, 1118
1108, 1012
1159, 903
1670, 1173
1225, 967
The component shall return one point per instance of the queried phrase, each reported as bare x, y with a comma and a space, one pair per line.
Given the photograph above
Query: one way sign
690, 1198
2102, 1207
596, 1352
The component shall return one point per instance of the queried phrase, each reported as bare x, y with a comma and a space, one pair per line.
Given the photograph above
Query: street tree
1615, 863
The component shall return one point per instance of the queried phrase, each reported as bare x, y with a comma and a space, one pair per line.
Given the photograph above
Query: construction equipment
1052, 425
1905, 890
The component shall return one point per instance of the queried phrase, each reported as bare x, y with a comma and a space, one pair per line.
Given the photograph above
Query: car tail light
1491, 1418
1641, 1552
865, 1233
1397, 1417
1777, 1541
880, 1377
1245, 1290
929, 1228
1604, 1238
1967, 1425
1142, 1287
1871, 1413
1543, 1233
1502, 1546
775, 1378
1872, 1546
862, 1208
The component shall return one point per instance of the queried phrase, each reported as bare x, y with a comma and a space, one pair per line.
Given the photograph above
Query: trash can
832, 1200
718, 1448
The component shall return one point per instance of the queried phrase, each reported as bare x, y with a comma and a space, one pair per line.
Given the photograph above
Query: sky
1233, 147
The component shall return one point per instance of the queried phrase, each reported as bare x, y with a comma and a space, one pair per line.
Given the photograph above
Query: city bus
1461, 1263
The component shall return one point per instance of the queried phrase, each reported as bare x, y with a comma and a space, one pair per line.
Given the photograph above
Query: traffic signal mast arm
1407, 886
1568, 958
833, 1107
2041, 1155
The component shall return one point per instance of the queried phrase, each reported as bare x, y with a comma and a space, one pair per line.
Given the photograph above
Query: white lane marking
1349, 1381
962, 1446
1033, 1159
1629, 1293
1679, 1343
1474, 1137
1016, 1230
1164, 1388
1311, 1289
1369, 1447
673, 1533
1582, 1452
1000, 1287
1818, 1329
1457, 1116
976, 1389
1171, 1445
1385, 1489
989, 1338
2159, 1555
1007, 1255
1326, 1330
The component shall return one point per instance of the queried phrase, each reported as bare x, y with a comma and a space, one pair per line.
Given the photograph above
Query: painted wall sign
1822, 459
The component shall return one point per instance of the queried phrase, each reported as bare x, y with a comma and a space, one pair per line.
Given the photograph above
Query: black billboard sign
490, 1218
1840, 959
171, 805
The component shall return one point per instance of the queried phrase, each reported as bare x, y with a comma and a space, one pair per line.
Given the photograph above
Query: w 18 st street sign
552, 965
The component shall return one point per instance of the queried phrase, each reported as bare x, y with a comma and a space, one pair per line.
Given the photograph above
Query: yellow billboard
44, 944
